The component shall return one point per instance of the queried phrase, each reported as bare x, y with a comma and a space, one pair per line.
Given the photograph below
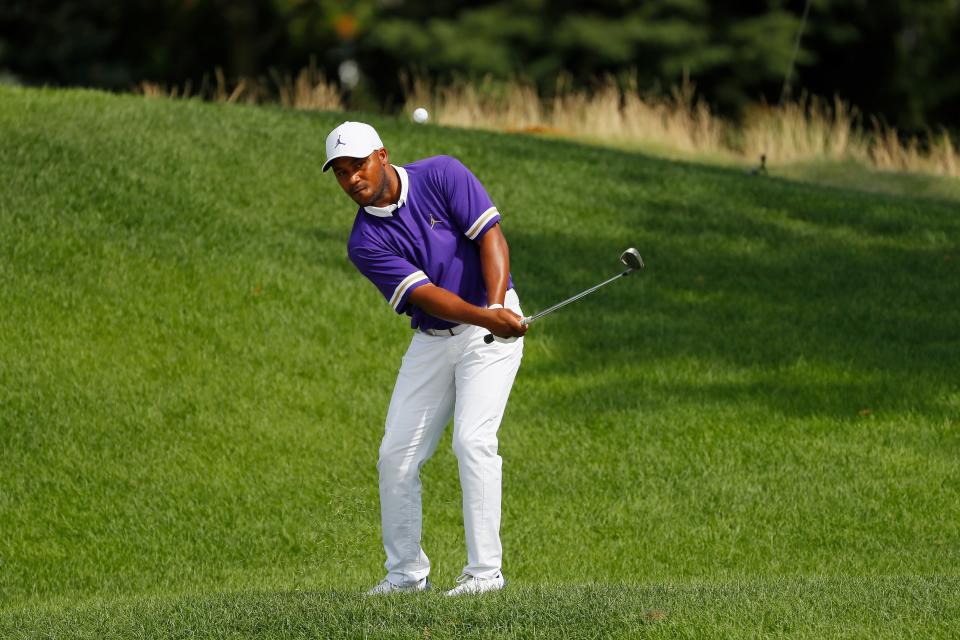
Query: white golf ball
420, 115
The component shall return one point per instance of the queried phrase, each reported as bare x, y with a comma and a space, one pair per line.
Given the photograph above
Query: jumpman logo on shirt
433, 221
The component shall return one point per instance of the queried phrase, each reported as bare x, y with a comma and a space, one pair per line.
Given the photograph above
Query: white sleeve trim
404, 286
481, 222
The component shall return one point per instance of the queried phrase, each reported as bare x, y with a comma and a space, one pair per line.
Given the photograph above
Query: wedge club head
631, 258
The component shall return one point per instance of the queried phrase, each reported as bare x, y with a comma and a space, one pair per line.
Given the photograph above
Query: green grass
878, 608
758, 436
852, 175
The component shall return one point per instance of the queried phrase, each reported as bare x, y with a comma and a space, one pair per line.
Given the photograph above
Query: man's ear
383, 157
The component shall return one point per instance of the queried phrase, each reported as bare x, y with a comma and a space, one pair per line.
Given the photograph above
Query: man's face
363, 179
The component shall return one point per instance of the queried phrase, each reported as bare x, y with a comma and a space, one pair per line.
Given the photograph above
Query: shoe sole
388, 593
477, 593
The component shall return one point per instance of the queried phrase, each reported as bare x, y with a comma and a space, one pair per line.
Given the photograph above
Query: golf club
630, 258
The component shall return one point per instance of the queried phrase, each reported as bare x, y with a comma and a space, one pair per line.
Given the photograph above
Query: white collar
387, 211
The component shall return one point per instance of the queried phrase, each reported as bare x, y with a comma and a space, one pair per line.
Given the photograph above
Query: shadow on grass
823, 310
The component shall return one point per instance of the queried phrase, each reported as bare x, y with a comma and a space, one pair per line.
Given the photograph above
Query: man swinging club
428, 237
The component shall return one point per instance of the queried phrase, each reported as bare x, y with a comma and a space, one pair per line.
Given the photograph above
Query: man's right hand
504, 323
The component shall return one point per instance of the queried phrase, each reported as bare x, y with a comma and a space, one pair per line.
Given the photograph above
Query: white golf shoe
467, 584
386, 587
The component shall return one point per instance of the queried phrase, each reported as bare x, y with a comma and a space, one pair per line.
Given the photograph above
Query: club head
631, 258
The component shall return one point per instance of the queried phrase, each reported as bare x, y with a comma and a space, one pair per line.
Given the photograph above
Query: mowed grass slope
760, 435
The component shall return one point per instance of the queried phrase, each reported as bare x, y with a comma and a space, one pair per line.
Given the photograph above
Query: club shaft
574, 298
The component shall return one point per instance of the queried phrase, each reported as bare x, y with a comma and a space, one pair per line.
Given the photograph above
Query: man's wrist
490, 319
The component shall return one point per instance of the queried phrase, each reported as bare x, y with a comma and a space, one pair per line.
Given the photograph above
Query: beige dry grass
308, 90
487, 104
678, 121
618, 112
804, 130
936, 154
810, 128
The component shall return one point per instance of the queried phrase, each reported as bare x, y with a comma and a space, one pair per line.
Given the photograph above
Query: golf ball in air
420, 115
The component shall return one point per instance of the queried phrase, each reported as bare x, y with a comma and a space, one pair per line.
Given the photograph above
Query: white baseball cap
353, 140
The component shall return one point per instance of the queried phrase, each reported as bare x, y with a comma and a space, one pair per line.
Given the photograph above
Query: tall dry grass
679, 120
618, 112
607, 112
309, 89
813, 129
807, 129
810, 128
935, 154
487, 104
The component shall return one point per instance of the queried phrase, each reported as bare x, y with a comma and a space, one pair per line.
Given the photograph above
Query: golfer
428, 237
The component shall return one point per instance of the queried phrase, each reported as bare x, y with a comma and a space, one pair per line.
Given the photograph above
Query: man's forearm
440, 303
495, 264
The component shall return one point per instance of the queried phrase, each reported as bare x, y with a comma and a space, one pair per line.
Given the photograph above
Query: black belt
452, 331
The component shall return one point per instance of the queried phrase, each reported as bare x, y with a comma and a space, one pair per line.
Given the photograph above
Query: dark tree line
895, 58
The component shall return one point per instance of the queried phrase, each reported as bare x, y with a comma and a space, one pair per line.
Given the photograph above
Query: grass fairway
758, 436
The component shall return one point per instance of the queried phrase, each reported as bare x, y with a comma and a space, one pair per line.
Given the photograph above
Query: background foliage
889, 57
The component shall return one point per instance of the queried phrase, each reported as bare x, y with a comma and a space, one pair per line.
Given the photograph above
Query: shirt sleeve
471, 209
395, 277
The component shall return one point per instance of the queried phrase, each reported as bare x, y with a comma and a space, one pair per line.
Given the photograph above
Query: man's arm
441, 303
495, 264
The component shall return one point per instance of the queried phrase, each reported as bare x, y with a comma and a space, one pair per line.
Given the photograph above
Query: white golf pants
443, 376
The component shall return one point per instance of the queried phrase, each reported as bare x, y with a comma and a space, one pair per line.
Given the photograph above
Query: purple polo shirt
431, 237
